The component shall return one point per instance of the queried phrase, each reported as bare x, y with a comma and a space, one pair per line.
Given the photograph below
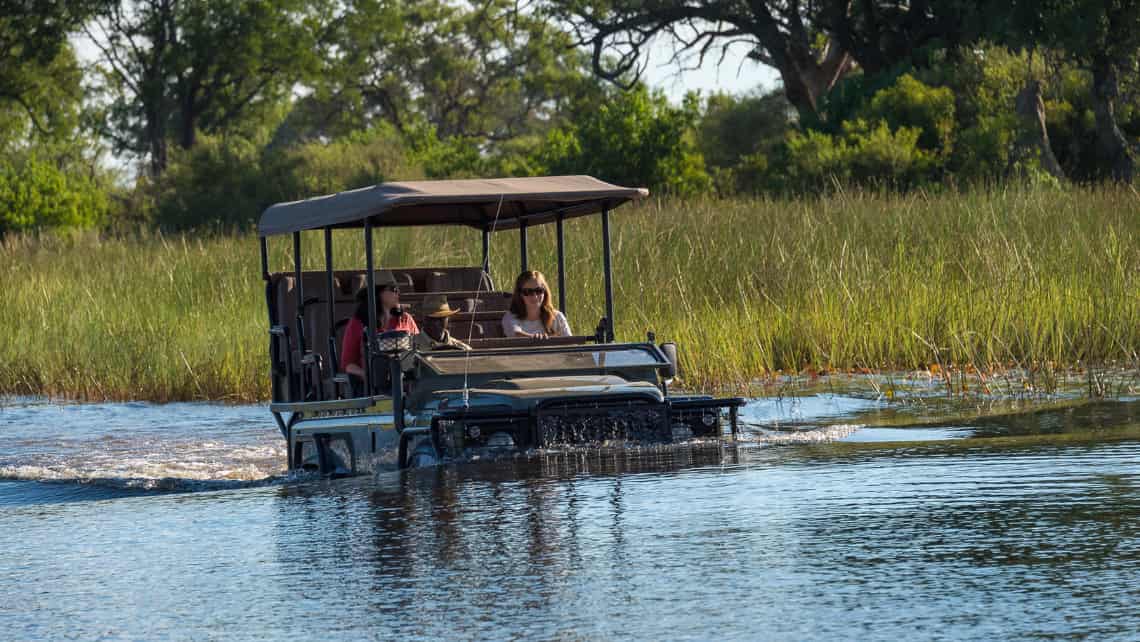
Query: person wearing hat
389, 317
435, 313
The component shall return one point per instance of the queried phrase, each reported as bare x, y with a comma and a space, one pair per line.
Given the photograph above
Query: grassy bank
747, 287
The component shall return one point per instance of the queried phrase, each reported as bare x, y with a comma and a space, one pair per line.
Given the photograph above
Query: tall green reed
747, 287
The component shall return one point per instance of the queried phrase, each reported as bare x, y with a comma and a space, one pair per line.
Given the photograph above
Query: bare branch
117, 65
22, 102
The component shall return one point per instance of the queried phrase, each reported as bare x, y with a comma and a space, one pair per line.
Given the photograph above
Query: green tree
39, 78
782, 35
49, 170
633, 138
811, 44
481, 74
740, 135
912, 103
48, 109
732, 127
1102, 36
37, 194
226, 183
175, 69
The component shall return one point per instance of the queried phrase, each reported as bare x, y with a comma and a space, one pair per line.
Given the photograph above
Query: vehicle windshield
541, 361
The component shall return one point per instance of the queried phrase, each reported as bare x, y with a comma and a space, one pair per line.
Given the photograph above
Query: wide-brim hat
436, 306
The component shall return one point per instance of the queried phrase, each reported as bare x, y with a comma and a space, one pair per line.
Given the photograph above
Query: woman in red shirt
389, 317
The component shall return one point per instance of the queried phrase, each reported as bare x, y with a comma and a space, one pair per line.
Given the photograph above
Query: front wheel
422, 455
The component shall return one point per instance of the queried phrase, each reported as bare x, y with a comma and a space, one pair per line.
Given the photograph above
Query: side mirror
670, 350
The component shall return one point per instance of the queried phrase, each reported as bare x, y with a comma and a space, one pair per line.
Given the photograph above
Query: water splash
820, 434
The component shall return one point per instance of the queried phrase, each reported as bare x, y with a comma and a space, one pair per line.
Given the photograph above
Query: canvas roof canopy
501, 203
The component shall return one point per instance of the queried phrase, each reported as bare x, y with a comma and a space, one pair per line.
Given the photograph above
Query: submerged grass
986, 280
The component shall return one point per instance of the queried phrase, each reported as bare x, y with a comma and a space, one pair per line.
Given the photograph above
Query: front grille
578, 423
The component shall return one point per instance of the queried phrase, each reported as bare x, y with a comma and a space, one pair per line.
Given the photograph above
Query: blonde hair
545, 311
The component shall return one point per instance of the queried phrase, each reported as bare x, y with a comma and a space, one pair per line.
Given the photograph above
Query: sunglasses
532, 291
390, 288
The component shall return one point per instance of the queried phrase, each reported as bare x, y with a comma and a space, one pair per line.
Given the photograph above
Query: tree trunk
155, 128
189, 121
1112, 146
157, 150
1035, 132
153, 88
805, 78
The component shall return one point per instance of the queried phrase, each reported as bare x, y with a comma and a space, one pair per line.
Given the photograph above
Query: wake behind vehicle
505, 395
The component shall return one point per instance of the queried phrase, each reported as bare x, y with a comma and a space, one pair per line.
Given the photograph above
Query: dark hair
518, 307
361, 311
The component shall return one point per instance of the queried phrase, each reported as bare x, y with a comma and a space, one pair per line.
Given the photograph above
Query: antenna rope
475, 307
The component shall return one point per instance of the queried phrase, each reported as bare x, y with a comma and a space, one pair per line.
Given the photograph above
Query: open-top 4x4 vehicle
507, 393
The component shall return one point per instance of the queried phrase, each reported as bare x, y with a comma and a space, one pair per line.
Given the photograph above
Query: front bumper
585, 421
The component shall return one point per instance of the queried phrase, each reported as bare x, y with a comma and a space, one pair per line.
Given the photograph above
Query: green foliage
1003, 278
39, 76
911, 103
850, 97
737, 135
469, 74
451, 157
174, 70
263, 101
36, 195
866, 154
632, 138
733, 127
227, 183
981, 151
47, 105
880, 155
218, 183
362, 159
49, 171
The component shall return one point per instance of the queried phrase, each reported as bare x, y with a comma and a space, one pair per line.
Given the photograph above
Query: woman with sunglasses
389, 317
532, 314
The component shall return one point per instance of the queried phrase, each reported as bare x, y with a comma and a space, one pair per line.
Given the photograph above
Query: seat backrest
465, 330
317, 324
443, 279
487, 324
467, 289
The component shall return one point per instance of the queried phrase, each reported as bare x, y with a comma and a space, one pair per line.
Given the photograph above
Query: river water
846, 515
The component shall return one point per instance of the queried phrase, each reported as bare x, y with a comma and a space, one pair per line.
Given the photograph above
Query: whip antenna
475, 307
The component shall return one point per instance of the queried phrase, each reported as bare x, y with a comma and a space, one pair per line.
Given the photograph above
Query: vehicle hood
520, 391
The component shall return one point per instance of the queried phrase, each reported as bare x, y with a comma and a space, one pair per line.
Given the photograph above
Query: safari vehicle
506, 394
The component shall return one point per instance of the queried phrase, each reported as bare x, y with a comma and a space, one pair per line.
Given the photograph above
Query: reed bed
748, 288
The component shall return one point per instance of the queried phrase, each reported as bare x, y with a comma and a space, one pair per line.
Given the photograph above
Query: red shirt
352, 345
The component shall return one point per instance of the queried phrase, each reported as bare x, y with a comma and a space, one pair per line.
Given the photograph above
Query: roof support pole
370, 331
522, 244
486, 251
274, 346
300, 307
608, 272
561, 263
331, 285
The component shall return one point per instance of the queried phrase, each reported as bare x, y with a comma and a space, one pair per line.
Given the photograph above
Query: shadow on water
487, 547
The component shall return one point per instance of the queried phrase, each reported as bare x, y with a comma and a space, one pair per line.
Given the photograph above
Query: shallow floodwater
844, 516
